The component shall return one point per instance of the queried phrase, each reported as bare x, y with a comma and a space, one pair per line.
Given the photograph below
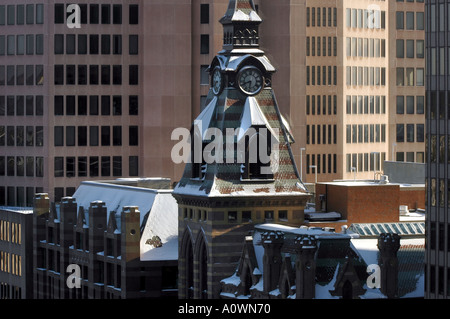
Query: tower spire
241, 25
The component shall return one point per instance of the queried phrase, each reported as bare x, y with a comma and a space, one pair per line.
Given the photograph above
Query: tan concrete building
365, 88
101, 101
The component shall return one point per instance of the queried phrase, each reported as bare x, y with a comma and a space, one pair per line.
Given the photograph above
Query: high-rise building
101, 101
437, 153
364, 86
97, 100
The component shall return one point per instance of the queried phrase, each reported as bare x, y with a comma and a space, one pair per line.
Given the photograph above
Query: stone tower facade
241, 170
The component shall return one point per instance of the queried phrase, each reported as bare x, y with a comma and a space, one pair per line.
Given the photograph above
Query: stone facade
102, 245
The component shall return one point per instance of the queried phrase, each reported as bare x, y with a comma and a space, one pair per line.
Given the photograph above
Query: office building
437, 156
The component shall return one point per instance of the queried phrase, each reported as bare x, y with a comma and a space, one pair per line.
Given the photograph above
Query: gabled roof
158, 214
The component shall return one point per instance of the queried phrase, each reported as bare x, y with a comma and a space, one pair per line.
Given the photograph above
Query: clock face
217, 81
250, 80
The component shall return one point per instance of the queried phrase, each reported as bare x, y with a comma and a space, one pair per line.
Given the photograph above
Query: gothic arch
201, 257
187, 257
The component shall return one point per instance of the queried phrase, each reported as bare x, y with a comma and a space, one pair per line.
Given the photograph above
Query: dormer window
258, 149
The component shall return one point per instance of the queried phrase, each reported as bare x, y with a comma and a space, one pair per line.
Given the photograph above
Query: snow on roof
252, 116
162, 222
21, 210
158, 210
204, 119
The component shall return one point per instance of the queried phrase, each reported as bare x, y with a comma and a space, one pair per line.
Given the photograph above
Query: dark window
106, 44
94, 13
93, 105
93, 43
106, 14
39, 105
59, 74
134, 44
204, 44
106, 135
82, 135
133, 105
59, 135
106, 105
117, 105
93, 136
84, 13
39, 136
134, 14
117, 44
117, 74
133, 136
59, 105
117, 14
30, 75
117, 166
133, 165
70, 105
70, 44
133, 75
82, 166
29, 136
59, 13
117, 135
70, 74
93, 74
106, 74
82, 44
70, 136
59, 44
106, 166
59, 166
29, 108
70, 166
82, 74
204, 13
93, 166
82, 105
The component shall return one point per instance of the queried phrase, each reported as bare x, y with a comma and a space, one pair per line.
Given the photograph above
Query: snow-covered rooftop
158, 213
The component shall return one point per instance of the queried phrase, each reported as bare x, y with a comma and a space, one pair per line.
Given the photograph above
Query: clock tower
241, 170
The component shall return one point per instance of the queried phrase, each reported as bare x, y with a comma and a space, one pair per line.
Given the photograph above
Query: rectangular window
204, 13
59, 135
82, 166
117, 14
133, 75
94, 13
134, 14
133, 44
59, 166
93, 136
82, 135
93, 166
82, 44
106, 135
106, 44
204, 44
133, 165
133, 136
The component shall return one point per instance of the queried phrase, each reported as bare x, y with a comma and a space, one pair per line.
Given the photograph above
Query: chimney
388, 245
272, 242
305, 266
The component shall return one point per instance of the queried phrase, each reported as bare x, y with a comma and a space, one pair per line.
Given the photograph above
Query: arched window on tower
258, 150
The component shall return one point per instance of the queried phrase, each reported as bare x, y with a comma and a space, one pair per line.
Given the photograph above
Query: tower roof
241, 11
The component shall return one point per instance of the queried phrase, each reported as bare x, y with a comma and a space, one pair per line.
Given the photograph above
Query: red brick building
365, 201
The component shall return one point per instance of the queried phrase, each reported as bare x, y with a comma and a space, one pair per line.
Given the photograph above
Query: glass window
106, 14
106, 135
134, 14
59, 166
39, 14
59, 74
133, 104
117, 74
82, 44
106, 43
399, 20
30, 44
204, 44
106, 74
94, 13
93, 43
410, 48
134, 44
106, 105
133, 136
204, 13
59, 13
93, 136
117, 44
70, 105
20, 44
2, 15
409, 20
59, 135
133, 75
133, 165
117, 14
400, 48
